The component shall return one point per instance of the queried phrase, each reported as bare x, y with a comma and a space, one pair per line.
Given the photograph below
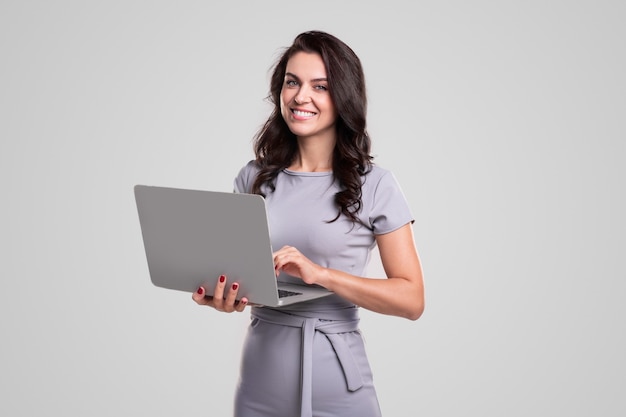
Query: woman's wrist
324, 277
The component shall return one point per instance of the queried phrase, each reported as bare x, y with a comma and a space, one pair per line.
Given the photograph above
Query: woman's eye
321, 87
291, 83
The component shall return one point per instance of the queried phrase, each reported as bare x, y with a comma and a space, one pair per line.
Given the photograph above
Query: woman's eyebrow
314, 80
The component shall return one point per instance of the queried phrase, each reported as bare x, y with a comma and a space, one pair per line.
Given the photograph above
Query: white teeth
303, 113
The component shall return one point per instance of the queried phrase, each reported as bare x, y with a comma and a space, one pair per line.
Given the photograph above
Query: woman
329, 205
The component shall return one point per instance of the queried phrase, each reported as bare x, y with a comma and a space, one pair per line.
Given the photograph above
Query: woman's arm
401, 294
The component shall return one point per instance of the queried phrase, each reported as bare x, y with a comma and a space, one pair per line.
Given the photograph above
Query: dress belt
340, 321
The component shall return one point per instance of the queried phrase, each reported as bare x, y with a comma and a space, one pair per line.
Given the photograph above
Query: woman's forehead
306, 65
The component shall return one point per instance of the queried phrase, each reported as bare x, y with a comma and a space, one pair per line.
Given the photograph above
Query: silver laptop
191, 237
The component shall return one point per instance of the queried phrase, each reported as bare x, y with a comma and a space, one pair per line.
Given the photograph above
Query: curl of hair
275, 146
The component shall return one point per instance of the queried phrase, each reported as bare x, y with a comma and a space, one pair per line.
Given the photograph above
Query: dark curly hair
276, 147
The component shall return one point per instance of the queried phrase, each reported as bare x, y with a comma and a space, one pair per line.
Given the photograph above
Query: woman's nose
302, 96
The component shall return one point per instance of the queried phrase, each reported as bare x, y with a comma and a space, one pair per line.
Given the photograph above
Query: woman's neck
313, 156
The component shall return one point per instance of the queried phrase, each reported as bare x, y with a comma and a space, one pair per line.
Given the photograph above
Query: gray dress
309, 359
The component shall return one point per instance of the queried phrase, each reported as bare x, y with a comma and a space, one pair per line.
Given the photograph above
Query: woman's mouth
302, 113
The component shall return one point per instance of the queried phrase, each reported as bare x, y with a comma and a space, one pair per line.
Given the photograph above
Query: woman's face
305, 100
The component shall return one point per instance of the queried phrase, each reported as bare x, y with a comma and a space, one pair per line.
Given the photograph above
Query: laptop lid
191, 237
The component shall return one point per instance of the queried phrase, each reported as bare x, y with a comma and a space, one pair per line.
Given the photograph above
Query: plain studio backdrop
503, 121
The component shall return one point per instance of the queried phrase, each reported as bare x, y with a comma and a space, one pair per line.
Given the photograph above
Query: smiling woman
328, 207
306, 104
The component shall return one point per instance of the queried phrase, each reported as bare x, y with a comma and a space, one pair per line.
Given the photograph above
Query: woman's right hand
223, 299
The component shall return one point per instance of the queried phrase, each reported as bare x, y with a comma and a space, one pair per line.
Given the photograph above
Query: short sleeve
245, 178
389, 208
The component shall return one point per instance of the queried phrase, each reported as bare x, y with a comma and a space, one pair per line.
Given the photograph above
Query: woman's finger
231, 298
241, 305
218, 294
200, 297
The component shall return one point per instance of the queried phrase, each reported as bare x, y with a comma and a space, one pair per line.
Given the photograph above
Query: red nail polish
222, 278
200, 290
235, 286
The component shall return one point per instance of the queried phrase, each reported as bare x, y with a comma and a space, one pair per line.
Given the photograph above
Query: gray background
503, 121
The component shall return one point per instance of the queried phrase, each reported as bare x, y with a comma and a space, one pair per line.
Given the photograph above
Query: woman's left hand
291, 261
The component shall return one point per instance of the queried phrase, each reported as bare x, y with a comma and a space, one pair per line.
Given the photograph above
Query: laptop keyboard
285, 293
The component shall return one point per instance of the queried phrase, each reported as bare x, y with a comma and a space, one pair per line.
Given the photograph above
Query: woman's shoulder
384, 202
246, 176
250, 167
380, 182
377, 171
376, 174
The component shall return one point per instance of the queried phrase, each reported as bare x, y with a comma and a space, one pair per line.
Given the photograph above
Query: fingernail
200, 290
235, 286
244, 301
222, 278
